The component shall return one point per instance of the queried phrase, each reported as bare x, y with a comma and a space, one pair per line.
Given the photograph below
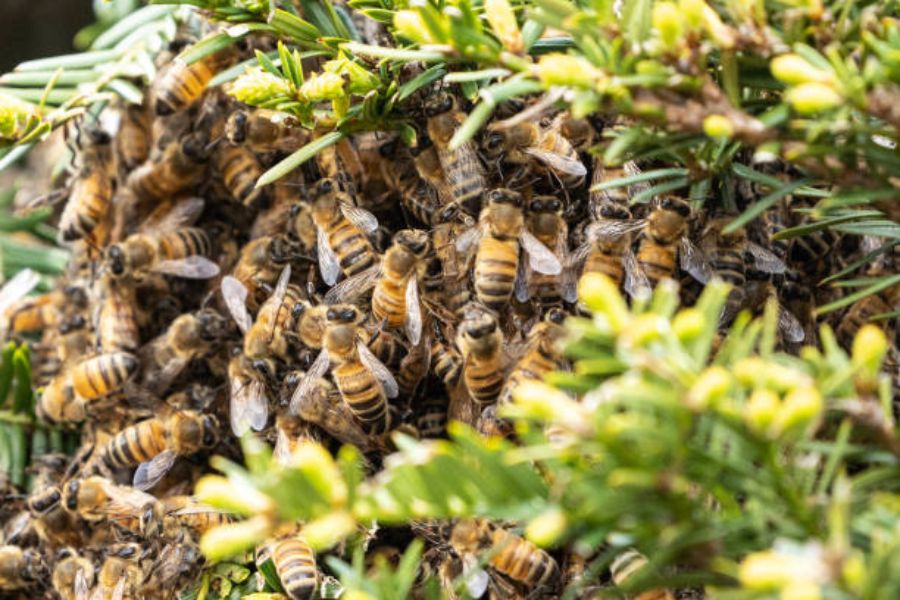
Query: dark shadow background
38, 28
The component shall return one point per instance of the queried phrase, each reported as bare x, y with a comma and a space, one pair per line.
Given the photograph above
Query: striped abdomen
117, 328
353, 249
136, 444
496, 264
389, 298
386, 348
104, 374
522, 561
364, 395
432, 423
181, 85
181, 243
240, 170
463, 176
295, 563
533, 366
657, 261
88, 204
484, 377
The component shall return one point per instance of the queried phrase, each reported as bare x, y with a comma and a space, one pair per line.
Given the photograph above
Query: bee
190, 336
53, 524
446, 276
73, 575
179, 85
178, 167
413, 369
260, 263
364, 382
295, 564
607, 247
511, 556
500, 234
116, 323
264, 130
341, 227
545, 221
132, 143
240, 169
446, 361
580, 133
182, 252
91, 190
540, 356
19, 569
153, 445
626, 565
463, 175
171, 515
398, 170
121, 573
97, 499
859, 314
619, 195
544, 149
249, 401
322, 405
103, 374
492, 425
480, 342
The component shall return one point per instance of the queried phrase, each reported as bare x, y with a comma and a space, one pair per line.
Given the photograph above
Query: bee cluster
381, 287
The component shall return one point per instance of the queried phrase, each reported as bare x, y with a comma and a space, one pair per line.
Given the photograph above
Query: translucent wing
191, 267
636, 281
183, 214
694, 261
790, 326
360, 217
282, 451
354, 286
149, 473
17, 288
560, 164
277, 298
249, 406
540, 257
308, 384
522, 286
381, 372
167, 374
328, 260
126, 501
81, 588
468, 239
765, 260
235, 295
612, 229
413, 311
477, 579
118, 592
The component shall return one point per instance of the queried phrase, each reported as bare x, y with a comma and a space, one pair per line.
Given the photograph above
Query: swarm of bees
379, 288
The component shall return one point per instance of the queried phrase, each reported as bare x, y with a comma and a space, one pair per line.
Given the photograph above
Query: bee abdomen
104, 374
136, 444
295, 564
181, 243
484, 381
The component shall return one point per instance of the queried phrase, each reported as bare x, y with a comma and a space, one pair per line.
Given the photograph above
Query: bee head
71, 497
342, 314
264, 367
415, 240
493, 143
439, 104
210, 431
611, 210
117, 260
676, 205
555, 315
237, 127
505, 196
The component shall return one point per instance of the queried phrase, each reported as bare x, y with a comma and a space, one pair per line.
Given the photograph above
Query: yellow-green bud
643, 330
667, 21
754, 371
869, 348
230, 540
564, 69
801, 407
800, 589
721, 34
320, 470
794, 70
809, 98
601, 294
765, 570
539, 401
688, 324
692, 13
232, 496
500, 15
761, 410
718, 126
328, 531
361, 80
547, 529
256, 86
322, 86
711, 386
15, 117
358, 595
409, 24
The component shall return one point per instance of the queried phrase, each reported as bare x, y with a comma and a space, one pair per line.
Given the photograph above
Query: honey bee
341, 227
545, 221
132, 141
445, 281
240, 169
431, 420
295, 564
395, 298
264, 130
463, 174
862, 312
103, 374
500, 233
624, 568
121, 574
261, 262
35, 317
511, 556
322, 405
179, 85
171, 515
19, 569
97, 499
540, 355
398, 170
620, 195
249, 402
116, 322
153, 445
480, 342
53, 524
607, 245
544, 149
446, 361
178, 167
364, 382
182, 252
91, 190
73, 575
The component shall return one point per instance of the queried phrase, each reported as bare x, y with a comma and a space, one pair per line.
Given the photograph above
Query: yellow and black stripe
295, 563
496, 265
136, 444
364, 396
104, 374
181, 243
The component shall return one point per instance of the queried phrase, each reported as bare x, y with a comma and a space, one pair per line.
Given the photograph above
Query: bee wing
150, 472
17, 288
81, 588
560, 164
282, 451
790, 326
694, 261
468, 239
612, 229
118, 592
126, 501
328, 260
540, 257
307, 385
235, 295
360, 217
635, 278
190, 267
476, 578
381, 372
765, 260
183, 214
277, 298
354, 286
249, 406
413, 311
522, 284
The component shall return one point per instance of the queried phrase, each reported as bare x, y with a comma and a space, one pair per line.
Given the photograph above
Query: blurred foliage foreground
735, 468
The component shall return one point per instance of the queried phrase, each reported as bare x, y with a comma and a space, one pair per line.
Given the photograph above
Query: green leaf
6, 371
876, 288
23, 396
639, 178
763, 204
40, 79
267, 64
322, 15
217, 42
270, 575
480, 75
421, 80
19, 454
128, 24
81, 60
661, 188
293, 27
298, 158
636, 19
395, 54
